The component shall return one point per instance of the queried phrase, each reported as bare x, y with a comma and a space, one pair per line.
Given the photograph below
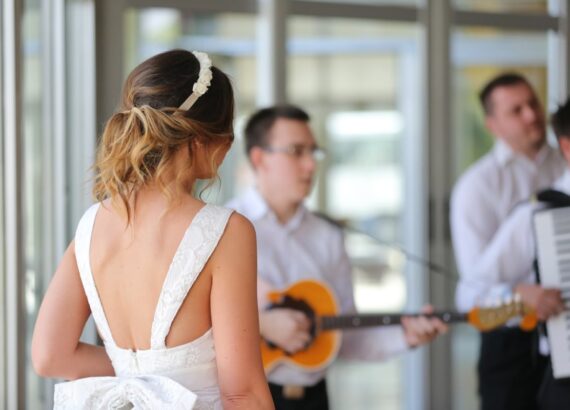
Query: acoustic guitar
318, 303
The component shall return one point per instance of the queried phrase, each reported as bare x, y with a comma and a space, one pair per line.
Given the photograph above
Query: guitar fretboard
369, 320
553, 246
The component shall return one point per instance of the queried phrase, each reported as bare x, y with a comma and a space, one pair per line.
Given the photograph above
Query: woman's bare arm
235, 319
56, 349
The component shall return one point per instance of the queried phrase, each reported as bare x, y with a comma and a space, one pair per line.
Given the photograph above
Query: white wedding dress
181, 377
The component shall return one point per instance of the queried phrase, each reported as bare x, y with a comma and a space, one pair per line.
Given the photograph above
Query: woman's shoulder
87, 219
91, 209
238, 223
237, 242
233, 225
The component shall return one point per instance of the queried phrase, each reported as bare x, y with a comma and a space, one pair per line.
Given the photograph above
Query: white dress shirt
308, 247
562, 184
491, 232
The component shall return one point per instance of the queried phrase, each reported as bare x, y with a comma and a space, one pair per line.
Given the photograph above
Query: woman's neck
153, 199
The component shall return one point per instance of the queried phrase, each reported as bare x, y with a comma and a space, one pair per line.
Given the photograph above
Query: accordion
552, 233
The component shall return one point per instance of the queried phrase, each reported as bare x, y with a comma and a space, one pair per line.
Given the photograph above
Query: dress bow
122, 393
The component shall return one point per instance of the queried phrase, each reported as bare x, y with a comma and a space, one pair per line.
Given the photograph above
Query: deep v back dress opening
171, 374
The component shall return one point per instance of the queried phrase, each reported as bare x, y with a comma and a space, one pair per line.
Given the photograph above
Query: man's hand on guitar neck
286, 328
420, 330
546, 302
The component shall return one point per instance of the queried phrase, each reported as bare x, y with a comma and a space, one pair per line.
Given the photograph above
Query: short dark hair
503, 80
260, 123
560, 120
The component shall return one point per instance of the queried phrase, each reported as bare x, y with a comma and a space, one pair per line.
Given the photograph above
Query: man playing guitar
293, 245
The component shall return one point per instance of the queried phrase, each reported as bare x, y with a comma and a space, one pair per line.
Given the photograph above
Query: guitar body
306, 295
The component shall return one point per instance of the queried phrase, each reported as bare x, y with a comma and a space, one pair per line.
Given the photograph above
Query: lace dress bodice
181, 377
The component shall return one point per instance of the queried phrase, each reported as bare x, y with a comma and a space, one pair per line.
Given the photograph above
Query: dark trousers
554, 394
510, 370
315, 398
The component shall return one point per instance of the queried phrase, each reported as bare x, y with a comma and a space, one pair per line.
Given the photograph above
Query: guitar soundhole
300, 305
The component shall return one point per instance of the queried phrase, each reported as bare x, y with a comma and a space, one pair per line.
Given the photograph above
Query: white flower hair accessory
204, 80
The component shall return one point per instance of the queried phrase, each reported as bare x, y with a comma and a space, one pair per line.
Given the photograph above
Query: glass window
33, 185
354, 78
2, 228
508, 6
478, 55
377, 2
46, 198
229, 39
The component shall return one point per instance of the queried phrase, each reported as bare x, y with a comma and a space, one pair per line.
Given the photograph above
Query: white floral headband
204, 80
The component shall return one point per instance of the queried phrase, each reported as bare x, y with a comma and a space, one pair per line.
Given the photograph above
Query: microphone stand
433, 267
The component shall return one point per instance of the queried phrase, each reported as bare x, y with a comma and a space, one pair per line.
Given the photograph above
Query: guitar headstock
489, 318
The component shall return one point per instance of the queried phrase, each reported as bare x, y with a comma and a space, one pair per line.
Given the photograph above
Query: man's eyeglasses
298, 151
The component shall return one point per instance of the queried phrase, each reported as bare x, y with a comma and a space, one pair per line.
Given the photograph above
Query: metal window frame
3, 374
13, 313
272, 52
559, 54
81, 110
211, 6
504, 21
436, 364
64, 155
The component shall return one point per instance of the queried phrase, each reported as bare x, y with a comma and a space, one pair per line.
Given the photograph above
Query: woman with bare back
170, 281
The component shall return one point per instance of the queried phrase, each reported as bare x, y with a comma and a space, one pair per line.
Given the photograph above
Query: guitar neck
370, 320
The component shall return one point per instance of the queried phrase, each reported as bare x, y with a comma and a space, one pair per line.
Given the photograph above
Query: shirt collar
505, 154
543, 153
258, 209
297, 218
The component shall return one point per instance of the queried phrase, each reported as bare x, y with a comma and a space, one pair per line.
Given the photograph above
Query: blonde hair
138, 143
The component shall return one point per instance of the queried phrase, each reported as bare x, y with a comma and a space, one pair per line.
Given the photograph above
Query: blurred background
392, 90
